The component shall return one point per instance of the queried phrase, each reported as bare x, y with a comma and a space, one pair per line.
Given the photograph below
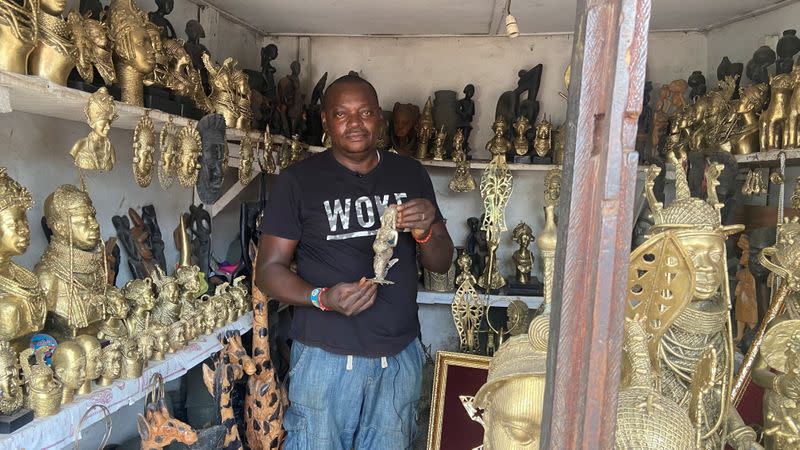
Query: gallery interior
620, 180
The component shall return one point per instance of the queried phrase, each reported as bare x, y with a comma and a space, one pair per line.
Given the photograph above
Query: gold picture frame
469, 372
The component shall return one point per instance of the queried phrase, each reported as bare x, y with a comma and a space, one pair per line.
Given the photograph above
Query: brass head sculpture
140, 295
117, 309
517, 317
94, 361
543, 141
425, 130
95, 152
242, 94
744, 137
19, 29
384, 244
72, 270
513, 395
112, 364
53, 57
169, 146
93, 48
132, 359
521, 126
144, 146
189, 146
69, 365
177, 338
146, 344
499, 145
188, 281
160, 341
686, 314
10, 388
43, 390
522, 257
438, 144
134, 54
22, 302
168, 306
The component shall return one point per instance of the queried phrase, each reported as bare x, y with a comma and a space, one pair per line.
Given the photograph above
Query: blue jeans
340, 402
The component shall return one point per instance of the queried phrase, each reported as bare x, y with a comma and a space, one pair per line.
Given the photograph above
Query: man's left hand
417, 214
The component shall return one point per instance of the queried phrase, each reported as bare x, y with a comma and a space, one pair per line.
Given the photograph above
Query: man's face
352, 118
144, 60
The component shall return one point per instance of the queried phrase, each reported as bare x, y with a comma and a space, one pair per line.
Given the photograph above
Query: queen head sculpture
134, 54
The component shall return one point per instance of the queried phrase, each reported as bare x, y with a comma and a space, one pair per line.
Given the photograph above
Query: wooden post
595, 224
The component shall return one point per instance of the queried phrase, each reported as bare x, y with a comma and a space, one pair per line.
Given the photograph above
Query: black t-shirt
334, 213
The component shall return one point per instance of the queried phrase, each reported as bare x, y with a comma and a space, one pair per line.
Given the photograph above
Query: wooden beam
595, 221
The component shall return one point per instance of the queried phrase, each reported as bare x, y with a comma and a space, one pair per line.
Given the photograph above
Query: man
356, 363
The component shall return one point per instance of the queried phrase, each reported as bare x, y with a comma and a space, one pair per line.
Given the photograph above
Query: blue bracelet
315, 297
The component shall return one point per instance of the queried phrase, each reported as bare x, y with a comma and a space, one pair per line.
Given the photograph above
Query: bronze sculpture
43, 391
134, 54
404, 122
775, 117
523, 258
19, 29
438, 145
169, 147
189, 147
385, 241
94, 361
462, 180
22, 301
687, 315
69, 366
95, 152
72, 270
521, 126
425, 130
543, 141
53, 57
10, 386
144, 143
93, 48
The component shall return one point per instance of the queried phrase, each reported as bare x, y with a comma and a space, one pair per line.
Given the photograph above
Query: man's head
351, 115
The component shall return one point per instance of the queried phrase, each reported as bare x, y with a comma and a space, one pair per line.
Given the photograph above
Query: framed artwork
451, 427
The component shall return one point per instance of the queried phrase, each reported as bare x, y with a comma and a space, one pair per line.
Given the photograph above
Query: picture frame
450, 425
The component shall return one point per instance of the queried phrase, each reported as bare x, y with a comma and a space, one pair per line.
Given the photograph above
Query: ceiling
460, 17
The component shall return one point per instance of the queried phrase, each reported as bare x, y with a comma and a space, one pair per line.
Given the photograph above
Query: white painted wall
408, 70
36, 152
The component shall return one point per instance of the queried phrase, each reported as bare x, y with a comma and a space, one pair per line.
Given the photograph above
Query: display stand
58, 430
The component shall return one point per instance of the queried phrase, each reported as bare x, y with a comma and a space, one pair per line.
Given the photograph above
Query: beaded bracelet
426, 238
321, 305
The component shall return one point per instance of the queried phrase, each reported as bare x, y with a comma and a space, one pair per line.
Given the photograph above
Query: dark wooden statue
263, 90
511, 104
697, 85
195, 32
788, 46
92, 8
312, 134
758, 67
159, 18
123, 227
156, 243
477, 247
466, 111
141, 238
290, 101
199, 225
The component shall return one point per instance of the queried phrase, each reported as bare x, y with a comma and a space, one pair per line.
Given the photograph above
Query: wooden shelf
769, 158
58, 431
446, 298
483, 164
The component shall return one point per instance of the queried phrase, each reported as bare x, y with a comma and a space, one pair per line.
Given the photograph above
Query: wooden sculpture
220, 383
157, 429
266, 399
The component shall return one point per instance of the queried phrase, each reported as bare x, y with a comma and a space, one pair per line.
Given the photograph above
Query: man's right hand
350, 299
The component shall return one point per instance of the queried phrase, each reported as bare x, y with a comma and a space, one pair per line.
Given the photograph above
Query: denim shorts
341, 402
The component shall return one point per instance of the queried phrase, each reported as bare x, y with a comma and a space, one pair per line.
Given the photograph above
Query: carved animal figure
157, 429
774, 118
220, 383
266, 399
